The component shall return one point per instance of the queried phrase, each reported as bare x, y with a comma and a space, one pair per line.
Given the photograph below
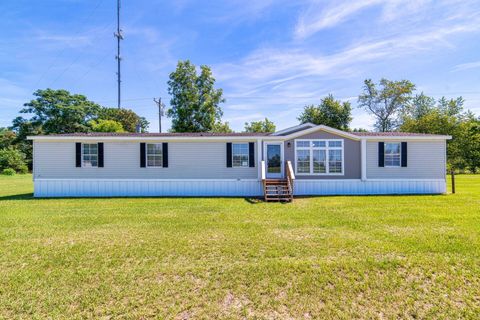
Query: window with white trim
392, 154
240, 156
154, 155
89, 155
319, 156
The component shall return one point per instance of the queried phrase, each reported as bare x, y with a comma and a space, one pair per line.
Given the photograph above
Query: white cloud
316, 18
466, 66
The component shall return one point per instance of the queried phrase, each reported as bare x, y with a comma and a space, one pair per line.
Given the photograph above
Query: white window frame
146, 155
83, 154
248, 155
326, 148
399, 154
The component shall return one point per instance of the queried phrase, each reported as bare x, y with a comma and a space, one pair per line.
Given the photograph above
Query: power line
99, 2
75, 60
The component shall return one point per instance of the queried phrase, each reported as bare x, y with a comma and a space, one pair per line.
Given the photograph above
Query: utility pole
161, 112
119, 37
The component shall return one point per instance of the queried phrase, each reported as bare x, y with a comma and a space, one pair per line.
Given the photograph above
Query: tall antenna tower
119, 37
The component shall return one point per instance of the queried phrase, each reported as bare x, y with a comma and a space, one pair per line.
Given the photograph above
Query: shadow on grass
250, 200
22, 196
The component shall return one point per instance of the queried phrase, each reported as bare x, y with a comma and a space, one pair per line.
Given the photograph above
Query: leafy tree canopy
260, 126
329, 112
11, 158
195, 103
7, 138
386, 101
101, 125
57, 111
222, 127
127, 118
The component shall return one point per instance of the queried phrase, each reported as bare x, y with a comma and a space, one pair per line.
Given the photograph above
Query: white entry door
273, 155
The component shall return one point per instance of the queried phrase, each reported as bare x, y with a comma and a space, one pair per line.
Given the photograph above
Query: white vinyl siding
187, 160
426, 160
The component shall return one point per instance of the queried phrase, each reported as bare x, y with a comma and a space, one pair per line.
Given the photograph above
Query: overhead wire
54, 60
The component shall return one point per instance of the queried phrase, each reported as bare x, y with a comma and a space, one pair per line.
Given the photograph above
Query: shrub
11, 158
8, 172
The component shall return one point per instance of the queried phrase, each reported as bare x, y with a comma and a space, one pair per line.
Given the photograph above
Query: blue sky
270, 57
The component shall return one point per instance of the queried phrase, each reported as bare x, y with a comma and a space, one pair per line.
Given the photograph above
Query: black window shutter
381, 154
142, 155
251, 154
100, 154
229, 154
404, 154
78, 154
165, 154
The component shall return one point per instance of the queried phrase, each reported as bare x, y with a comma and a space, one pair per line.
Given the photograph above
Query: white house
303, 160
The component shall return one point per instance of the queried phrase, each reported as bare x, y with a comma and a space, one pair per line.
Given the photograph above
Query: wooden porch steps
277, 190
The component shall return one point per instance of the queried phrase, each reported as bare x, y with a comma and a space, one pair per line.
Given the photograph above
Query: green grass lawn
321, 257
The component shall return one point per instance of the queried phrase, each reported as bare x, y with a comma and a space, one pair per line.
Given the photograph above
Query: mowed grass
320, 257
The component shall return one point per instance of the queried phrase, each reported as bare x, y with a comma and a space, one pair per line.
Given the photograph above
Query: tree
446, 117
222, 127
260, 126
101, 125
359, 130
468, 139
128, 119
195, 102
387, 102
7, 138
57, 111
329, 112
11, 158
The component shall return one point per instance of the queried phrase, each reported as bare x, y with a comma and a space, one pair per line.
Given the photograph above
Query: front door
273, 155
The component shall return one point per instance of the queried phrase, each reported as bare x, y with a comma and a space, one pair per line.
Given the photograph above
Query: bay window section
319, 157
303, 161
319, 161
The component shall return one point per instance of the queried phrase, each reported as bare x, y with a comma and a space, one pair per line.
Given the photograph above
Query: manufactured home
303, 160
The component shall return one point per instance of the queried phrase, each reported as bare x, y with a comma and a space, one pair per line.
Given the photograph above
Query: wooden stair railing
278, 189
290, 178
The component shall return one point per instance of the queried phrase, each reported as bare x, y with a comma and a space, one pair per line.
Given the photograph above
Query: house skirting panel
225, 187
372, 186
146, 188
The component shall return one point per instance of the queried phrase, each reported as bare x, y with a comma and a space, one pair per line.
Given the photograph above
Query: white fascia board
406, 138
324, 128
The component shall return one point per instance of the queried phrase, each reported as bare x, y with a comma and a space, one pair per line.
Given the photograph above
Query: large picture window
89, 155
240, 155
154, 155
319, 157
392, 154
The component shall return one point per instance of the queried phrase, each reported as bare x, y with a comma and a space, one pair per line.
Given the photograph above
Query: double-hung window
319, 156
392, 154
240, 157
154, 155
89, 155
